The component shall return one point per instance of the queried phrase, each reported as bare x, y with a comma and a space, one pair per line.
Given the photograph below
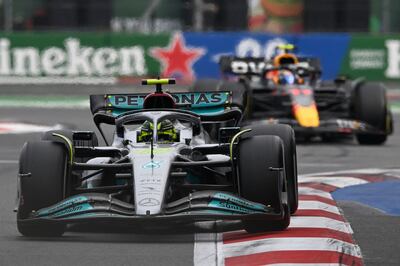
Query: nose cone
306, 116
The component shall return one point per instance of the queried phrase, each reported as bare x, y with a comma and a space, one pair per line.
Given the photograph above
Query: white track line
206, 248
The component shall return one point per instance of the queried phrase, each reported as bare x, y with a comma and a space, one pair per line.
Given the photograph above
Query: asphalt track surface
376, 233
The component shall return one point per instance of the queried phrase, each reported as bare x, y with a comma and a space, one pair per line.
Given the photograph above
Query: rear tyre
259, 184
286, 133
371, 107
46, 162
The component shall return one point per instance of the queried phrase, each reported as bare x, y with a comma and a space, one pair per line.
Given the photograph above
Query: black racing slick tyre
370, 106
286, 133
42, 170
258, 183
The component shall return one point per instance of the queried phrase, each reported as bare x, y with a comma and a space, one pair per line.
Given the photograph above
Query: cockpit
157, 126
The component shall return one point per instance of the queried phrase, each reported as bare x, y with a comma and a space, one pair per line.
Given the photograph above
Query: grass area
76, 101
44, 101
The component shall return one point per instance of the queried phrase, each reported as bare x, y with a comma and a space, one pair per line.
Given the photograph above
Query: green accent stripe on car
230, 206
62, 205
241, 202
70, 146
73, 210
234, 139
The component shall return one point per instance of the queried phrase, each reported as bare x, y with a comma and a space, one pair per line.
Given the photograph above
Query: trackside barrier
112, 57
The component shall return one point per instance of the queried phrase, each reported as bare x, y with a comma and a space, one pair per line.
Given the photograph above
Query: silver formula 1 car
161, 166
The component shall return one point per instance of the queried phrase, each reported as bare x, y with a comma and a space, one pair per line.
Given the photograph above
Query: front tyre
259, 184
43, 167
286, 133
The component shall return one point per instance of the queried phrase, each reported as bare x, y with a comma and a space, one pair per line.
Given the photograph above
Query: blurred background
120, 41
117, 41
155, 16
54, 53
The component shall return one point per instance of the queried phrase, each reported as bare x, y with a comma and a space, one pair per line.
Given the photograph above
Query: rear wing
312, 63
256, 66
247, 66
105, 107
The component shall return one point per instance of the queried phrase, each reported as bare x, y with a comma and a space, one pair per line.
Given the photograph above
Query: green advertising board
373, 57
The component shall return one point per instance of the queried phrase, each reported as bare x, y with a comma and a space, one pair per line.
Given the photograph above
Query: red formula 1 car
288, 90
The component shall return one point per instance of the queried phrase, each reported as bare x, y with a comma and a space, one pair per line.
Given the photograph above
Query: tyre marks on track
318, 232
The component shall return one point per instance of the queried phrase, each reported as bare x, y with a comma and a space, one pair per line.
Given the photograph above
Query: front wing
198, 206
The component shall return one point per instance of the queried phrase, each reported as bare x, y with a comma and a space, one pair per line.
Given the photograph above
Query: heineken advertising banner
105, 57
89, 55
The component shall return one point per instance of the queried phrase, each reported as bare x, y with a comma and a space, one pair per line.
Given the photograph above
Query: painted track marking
290, 244
341, 181
317, 205
318, 234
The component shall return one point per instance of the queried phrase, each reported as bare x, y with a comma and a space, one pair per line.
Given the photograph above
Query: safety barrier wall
187, 55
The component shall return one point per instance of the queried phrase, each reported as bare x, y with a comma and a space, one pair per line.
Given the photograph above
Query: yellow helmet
166, 132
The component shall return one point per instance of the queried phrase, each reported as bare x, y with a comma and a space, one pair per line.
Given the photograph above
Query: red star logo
177, 58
